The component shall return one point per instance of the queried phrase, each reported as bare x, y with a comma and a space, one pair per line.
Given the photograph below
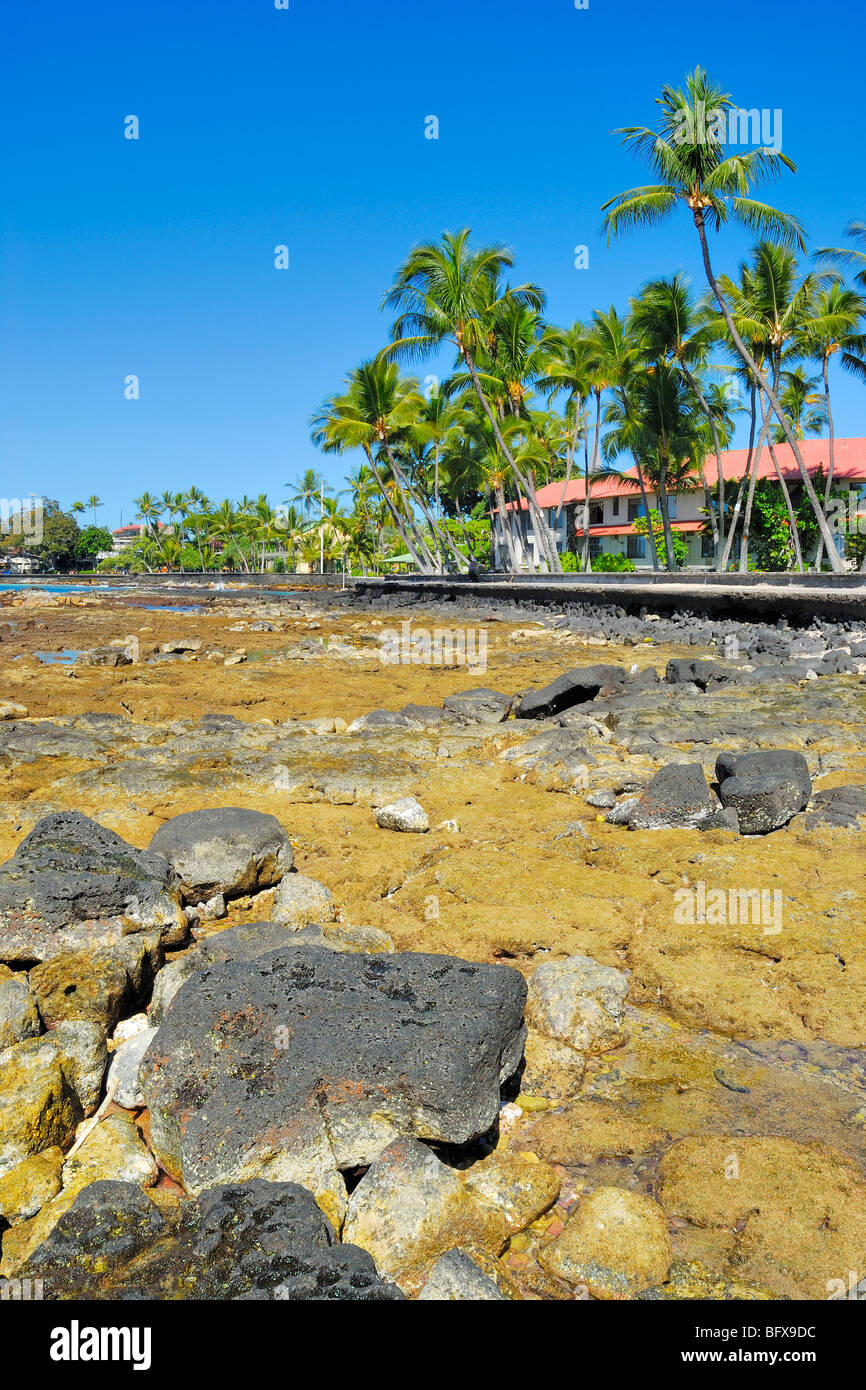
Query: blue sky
305, 127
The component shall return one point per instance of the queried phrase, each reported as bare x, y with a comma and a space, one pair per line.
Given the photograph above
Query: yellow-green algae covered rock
615, 1244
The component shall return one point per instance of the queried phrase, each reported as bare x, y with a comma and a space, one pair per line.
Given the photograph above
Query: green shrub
613, 564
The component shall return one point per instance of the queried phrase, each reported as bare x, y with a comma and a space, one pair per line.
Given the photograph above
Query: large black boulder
305, 1061
251, 1240
765, 788
72, 883
677, 797
680, 671
572, 688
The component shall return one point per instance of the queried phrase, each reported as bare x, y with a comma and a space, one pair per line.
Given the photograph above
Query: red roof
133, 528
630, 531
849, 466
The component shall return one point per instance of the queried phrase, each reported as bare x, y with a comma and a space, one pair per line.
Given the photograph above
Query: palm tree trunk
741, 489
832, 435
441, 533
792, 515
402, 486
666, 517
569, 461
505, 526
717, 550
646, 511
763, 383
545, 538
395, 517
589, 469
718, 527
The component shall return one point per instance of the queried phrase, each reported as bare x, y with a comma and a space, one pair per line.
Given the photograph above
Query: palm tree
93, 502
311, 548
849, 258
376, 405
686, 155
568, 370
198, 504
148, 512
266, 527
664, 429
835, 325
360, 546
77, 508
612, 352
773, 309
307, 490
438, 419
293, 527
755, 333
804, 405
667, 319
225, 525
450, 293
473, 462
626, 435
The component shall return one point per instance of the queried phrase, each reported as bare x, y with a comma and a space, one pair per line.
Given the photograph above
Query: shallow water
24, 587
62, 658
166, 608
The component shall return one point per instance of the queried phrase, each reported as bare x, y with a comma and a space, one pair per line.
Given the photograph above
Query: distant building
616, 503
21, 564
124, 537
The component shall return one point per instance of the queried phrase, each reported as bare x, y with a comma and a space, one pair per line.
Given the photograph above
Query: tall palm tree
613, 350
93, 502
375, 406
665, 428
307, 490
686, 155
293, 527
666, 317
149, 510
225, 526
755, 333
567, 371
835, 324
199, 505
438, 418
266, 527
626, 435
447, 292
773, 308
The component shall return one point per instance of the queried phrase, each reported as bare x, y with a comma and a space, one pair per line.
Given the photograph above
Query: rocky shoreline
329, 976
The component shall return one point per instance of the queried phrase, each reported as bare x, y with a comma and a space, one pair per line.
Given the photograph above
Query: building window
595, 547
634, 510
636, 547
614, 506
672, 508
706, 547
596, 515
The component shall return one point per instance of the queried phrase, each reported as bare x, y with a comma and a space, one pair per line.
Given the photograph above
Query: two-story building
616, 503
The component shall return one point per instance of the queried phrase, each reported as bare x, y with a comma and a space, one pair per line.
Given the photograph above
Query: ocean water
23, 585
